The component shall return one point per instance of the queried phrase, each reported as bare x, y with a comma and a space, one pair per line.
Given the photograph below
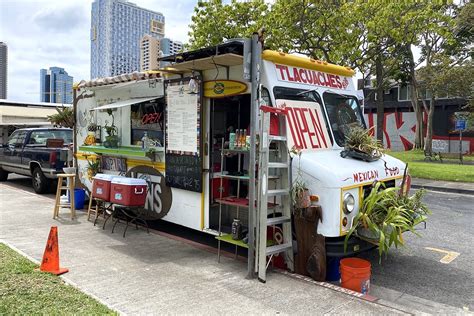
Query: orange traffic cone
50, 261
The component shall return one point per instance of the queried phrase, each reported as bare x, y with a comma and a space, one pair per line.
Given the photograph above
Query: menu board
183, 162
182, 119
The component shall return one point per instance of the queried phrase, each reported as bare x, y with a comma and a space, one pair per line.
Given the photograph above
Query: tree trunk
419, 143
379, 92
429, 126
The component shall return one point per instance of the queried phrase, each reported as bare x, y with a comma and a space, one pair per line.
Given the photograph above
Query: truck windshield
344, 113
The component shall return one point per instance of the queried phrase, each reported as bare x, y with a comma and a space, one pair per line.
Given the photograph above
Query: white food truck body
311, 86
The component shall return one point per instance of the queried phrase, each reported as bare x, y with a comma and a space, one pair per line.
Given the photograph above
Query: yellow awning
305, 62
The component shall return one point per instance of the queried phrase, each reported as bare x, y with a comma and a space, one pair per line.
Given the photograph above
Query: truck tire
3, 175
41, 184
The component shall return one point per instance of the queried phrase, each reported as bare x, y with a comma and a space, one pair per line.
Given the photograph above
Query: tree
214, 22
64, 117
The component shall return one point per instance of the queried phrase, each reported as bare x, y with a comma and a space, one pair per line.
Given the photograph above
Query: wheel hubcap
37, 180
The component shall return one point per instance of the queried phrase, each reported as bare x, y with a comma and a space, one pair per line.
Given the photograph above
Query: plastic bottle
243, 138
145, 141
231, 140
237, 139
236, 229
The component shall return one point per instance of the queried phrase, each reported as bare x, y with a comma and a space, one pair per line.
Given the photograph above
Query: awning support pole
256, 53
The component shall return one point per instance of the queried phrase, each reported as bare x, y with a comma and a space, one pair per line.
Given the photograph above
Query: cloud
60, 20
46, 33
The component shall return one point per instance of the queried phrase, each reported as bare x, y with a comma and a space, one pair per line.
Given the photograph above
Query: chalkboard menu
183, 163
184, 172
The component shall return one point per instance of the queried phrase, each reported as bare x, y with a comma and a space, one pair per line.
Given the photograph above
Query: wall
399, 132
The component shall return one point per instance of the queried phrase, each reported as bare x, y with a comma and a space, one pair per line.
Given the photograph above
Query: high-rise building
3, 70
149, 53
170, 47
152, 48
55, 85
117, 27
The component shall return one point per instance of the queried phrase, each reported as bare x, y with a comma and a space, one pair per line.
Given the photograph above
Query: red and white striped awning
134, 76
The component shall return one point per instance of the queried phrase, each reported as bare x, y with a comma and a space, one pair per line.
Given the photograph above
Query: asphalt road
410, 272
417, 271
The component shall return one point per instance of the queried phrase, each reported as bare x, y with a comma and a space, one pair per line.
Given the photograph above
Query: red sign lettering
365, 176
311, 77
151, 118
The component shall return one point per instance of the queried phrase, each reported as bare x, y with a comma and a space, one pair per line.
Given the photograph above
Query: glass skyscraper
117, 27
55, 85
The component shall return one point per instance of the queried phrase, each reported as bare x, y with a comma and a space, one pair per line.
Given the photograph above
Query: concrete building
170, 47
150, 51
55, 85
152, 48
17, 114
3, 70
117, 27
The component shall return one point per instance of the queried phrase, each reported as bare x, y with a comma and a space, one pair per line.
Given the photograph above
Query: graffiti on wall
399, 133
399, 129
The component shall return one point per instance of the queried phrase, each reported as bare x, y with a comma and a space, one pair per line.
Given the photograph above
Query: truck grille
368, 188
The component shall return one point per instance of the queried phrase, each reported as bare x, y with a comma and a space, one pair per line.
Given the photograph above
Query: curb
443, 189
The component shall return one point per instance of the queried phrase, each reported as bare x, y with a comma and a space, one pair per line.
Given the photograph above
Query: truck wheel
3, 175
40, 183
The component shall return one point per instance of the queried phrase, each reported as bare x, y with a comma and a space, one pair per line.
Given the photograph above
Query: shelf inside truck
129, 151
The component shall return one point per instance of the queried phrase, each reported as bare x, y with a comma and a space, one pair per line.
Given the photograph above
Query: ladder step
278, 220
277, 138
278, 192
277, 165
278, 248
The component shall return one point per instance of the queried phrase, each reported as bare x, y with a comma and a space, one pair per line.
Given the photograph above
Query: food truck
172, 127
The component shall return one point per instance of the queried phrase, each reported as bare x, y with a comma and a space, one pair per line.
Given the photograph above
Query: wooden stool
68, 187
96, 209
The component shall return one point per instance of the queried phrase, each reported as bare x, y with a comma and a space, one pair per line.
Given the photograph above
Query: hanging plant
300, 197
111, 140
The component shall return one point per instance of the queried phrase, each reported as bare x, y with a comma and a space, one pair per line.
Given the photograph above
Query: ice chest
101, 186
128, 191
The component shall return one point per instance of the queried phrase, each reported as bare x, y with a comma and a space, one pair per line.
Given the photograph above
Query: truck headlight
348, 203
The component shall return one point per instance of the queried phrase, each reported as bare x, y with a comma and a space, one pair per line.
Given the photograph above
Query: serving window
148, 117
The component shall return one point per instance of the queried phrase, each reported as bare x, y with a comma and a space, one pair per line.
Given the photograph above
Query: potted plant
90, 138
111, 140
93, 167
361, 145
300, 196
385, 214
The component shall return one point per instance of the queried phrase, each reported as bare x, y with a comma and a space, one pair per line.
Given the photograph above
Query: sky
46, 33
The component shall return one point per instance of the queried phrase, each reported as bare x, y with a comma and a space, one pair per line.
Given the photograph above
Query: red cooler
128, 191
101, 186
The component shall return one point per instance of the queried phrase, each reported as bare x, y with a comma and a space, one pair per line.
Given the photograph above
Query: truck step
278, 220
278, 192
278, 248
277, 138
277, 165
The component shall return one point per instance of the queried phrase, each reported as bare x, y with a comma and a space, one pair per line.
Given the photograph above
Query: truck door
14, 148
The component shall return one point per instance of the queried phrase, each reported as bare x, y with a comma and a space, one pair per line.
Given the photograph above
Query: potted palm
361, 145
385, 214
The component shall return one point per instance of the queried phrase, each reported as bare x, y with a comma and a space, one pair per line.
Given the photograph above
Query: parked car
40, 153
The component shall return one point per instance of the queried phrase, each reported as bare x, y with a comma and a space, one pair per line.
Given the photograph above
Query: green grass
26, 291
449, 170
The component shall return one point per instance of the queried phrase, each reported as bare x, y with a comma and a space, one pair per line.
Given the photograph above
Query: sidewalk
153, 274
443, 186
